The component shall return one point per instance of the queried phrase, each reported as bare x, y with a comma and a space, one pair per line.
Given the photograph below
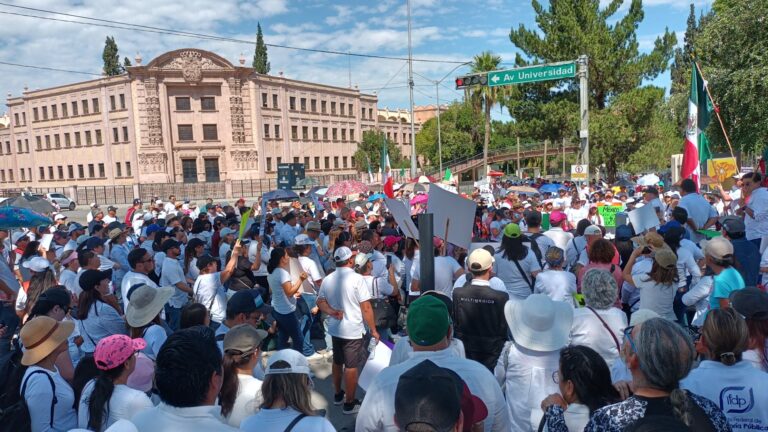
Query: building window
313, 105
327, 161
277, 131
112, 105
306, 162
125, 134
295, 132
74, 108
45, 113
183, 104
39, 143
334, 135
333, 108
47, 142
266, 131
61, 172
208, 103
64, 110
127, 169
370, 113
80, 171
351, 107
305, 132
264, 98
303, 104
212, 170
42, 173
295, 160
352, 161
95, 102
54, 111
98, 137
77, 139
292, 103
323, 107
274, 101
2, 176
24, 118
279, 161
122, 101
115, 135
20, 149
91, 171
325, 134
84, 103
317, 162
70, 172
16, 119
50, 173
351, 134
118, 169
35, 115
314, 133
210, 132
23, 177
269, 164
341, 108
8, 147
344, 161
57, 141
102, 173
362, 113
189, 170
185, 133
88, 140
336, 162
343, 134
26, 145
10, 175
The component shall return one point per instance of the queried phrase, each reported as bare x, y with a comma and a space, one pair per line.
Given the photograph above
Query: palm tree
486, 97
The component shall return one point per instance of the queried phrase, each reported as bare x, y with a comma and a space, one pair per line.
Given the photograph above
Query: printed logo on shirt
736, 400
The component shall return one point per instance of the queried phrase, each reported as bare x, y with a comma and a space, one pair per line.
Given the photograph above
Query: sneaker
338, 398
351, 407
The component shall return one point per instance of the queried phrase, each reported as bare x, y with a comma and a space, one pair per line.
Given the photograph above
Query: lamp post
437, 97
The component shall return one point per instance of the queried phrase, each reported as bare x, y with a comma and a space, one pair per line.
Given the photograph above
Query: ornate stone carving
152, 162
152, 101
236, 109
245, 160
192, 64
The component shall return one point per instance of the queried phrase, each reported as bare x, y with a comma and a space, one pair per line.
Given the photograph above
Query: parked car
61, 201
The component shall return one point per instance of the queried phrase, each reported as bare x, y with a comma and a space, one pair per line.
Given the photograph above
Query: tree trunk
487, 138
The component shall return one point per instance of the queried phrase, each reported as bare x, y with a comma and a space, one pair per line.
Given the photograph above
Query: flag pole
717, 109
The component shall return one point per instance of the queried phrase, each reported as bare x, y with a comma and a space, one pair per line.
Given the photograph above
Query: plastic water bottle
372, 348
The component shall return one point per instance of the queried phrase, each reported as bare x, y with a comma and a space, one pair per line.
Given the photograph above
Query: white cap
342, 254
159, 202
302, 239
297, 363
361, 260
59, 216
593, 230
37, 264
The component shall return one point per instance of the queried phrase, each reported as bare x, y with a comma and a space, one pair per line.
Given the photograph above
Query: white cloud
343, 15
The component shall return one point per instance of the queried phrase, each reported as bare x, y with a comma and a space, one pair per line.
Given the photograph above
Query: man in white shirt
111, 215
74, 231
556, 232
701, 214
172, 274
429, 331
289, 230
345, 298
576, 212
446, 271
141, 263
753, 206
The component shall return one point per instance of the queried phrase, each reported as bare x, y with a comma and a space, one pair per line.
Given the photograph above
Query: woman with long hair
118, 252
594, 216
31, 251
287, 399
752, 303
686, 265
143, 316
98, 312
585, 386
195, 249
240, 394
68, 266
515, 264
42, 278
107, 398
56, 303
601, 256
658, 287
284, 292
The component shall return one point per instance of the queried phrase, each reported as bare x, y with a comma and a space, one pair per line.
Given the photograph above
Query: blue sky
451, 30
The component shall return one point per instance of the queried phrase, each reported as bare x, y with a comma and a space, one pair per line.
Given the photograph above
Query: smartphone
646, 250
389, 261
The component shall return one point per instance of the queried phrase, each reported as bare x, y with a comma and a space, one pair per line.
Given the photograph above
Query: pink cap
113, 351
556, 216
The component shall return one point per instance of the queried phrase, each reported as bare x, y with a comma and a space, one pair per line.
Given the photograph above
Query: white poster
402, 217
296, 270
643, 219
453, 216
377, 361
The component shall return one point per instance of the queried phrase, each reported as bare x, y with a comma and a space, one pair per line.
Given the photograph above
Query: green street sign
530, 74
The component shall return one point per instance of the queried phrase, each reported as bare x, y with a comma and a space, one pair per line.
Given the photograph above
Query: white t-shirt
507, 271
39, 396
265, 252
277, 420
248, 399
209, 291
559, 285
445, 268
172, 274
700, 210
345, 290
656, 297
155, 337
311, 269
588, 330
403, 350
123, 405
753, 357
130, 279
67, 278
494, 283
575, 215
757, 227
280, 302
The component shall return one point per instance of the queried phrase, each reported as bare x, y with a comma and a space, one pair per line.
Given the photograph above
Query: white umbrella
648, 180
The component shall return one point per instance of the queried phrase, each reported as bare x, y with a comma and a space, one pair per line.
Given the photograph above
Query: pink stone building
188, 116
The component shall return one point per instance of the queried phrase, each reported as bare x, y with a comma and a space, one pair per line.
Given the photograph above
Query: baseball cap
718, 248
480, 260
111, 208
226, 231
59, 216
750, 302
136, 201
153, 229
113, 351
37, 264
90, 278
512, 230
313, 226
260, 305
241, 302
361, 259
73, 227
296, 363
651, 190
624, 232
244, 339
303, 239
53, 297
169, 244
390, 241
428, 396
556, 217
94, 242
342, 254
427, 321
18, 236
665, 258
361, 225
593, 230
733, 225
671, 224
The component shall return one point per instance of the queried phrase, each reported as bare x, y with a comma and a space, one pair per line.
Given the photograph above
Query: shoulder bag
615, 339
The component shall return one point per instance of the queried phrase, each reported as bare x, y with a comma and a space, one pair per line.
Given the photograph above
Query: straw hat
41, 336
145, 303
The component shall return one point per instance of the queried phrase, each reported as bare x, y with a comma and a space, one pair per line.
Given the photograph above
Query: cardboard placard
377, 361
402, 217
643, 219
295, 271
608, 213
453, 216
45, 241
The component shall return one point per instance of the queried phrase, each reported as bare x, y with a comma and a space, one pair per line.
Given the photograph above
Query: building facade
188, 116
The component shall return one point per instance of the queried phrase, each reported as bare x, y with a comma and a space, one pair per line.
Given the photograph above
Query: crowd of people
175, 317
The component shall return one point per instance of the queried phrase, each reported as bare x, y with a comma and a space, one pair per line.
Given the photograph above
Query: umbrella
624, 182
648, 180
359, 203
18, 217
551, 188
522, 189
318, 191
308, 181
346, 187
374, 197
416, 187
419, 199
30, 202
280, 194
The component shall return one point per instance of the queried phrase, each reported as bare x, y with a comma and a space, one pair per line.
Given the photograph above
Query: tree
126, 63
460, 134
369, 149
485, 96
730, 48
260, 60
111, 58
681, 74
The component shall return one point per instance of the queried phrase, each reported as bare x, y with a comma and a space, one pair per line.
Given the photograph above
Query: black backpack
14, 413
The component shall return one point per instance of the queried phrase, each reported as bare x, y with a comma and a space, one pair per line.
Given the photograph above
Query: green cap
428, 321
512, 230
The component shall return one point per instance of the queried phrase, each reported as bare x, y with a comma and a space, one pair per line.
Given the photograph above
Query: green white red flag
696, 148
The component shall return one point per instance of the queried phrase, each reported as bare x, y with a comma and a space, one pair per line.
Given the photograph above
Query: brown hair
233, 360
758, 333
293, 389
666, 276
601, 251
725, 335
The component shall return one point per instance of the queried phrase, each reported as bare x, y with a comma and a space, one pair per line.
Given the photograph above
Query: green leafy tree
111, 58
484, 96
730, 47
369, 149
461, 134
126, 63
260, 59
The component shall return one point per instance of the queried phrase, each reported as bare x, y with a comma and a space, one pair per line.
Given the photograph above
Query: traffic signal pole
583, 73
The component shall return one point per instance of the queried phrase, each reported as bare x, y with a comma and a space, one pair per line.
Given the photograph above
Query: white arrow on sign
495, 79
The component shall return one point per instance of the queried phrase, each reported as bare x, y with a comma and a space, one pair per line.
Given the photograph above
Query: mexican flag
696, 150
448, 176
386, 172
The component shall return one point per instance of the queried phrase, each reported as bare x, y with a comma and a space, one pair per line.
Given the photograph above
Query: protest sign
244, 219
377, 361
295, 270
643, 218
608, 213
402, 217
453, 216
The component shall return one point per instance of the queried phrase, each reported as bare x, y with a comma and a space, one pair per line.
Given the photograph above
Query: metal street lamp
437, 97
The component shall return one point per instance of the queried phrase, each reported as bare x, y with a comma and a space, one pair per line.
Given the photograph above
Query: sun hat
665, 258
512, 230
37, 264
718, 248
244, 338
361, 259
145, 302
112, 351
539, 323
592, 230
430, 395
651, 239
115, 233
17, 236
90, 278
302, 240
297, 363
427, 321
751, 302
41, 336
361, 225
480, 260
342, 254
